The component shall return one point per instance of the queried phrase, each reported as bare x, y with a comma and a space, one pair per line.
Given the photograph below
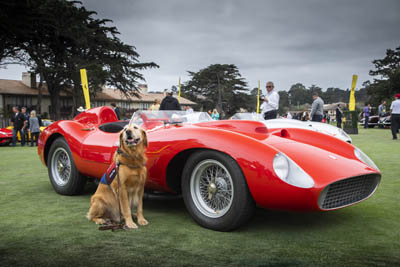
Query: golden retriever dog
132, 175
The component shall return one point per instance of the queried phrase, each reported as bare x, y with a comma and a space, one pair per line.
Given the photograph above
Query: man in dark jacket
339, 116
169, 102
116, 110
17, 120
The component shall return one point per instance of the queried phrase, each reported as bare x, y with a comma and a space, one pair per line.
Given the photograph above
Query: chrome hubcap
61, 166
211, 188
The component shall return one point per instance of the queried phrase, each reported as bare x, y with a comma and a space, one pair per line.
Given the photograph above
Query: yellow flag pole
352, 102
179, 96
258, 98
85, 88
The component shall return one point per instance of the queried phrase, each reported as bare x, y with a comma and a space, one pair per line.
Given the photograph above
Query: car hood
309, 125
323, 165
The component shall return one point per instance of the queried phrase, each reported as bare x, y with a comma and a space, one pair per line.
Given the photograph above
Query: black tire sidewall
242, 206
76, 182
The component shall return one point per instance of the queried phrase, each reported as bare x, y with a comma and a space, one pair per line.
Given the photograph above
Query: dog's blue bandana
109, 175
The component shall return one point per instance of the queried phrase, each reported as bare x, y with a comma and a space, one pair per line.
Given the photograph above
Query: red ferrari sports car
223, 169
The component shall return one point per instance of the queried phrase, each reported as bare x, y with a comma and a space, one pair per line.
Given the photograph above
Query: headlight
288, 171
364, 158
345, 135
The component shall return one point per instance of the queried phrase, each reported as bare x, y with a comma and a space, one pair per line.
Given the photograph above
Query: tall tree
387, 71
217, 85
59, 37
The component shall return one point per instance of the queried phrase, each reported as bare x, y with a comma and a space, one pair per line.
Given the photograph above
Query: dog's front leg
141, 219
125, 208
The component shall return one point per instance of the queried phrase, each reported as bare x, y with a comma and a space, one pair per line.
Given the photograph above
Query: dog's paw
143, 221
99, 221
131, 225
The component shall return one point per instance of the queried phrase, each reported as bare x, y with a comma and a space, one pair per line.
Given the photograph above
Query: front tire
215, 191
63, 174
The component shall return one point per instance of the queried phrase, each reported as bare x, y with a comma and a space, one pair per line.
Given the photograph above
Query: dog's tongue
131, 141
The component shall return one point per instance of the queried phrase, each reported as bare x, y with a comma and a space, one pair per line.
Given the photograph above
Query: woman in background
156, 105
34, 127
215, 115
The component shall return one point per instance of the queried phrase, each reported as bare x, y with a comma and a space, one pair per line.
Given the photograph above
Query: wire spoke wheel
211, 187
61, 166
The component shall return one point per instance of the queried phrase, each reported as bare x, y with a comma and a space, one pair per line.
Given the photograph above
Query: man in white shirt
271, 102
395, 117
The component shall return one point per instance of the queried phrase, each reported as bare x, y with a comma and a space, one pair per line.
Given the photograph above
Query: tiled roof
112, 94
14, 87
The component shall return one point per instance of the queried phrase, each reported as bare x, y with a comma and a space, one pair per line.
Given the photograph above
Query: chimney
29, 79
143, 88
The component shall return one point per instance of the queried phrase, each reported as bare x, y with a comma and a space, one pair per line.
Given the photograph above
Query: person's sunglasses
268, 86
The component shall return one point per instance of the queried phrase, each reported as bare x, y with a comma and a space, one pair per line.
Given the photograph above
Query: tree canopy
387, 73
220, 86
56, 38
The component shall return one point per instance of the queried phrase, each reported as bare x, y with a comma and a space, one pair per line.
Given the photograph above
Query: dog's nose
128, 132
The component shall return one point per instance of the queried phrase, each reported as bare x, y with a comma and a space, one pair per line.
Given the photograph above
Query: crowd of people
26, 124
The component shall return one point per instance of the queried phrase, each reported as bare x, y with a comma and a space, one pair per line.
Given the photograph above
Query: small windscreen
168, 117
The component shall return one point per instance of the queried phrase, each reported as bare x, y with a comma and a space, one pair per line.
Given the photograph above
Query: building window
144, 106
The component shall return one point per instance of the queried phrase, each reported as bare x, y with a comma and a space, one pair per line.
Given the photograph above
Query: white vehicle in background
290, 123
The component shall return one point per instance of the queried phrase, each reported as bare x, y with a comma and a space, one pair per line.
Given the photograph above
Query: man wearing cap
169, 102
395, 117
271, 103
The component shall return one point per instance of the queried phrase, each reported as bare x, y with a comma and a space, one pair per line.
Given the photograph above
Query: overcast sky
317, 42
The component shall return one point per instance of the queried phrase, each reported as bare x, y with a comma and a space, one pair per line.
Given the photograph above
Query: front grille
348, 191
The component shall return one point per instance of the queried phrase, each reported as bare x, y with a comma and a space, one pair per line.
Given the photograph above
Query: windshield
247, 116
150, 119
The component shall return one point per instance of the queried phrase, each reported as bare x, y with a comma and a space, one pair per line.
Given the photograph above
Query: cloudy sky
317, 42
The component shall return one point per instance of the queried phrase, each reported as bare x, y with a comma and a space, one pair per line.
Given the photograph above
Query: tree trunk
219, 103
40, 95
55, 103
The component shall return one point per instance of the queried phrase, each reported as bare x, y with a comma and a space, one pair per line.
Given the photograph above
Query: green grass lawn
40, 227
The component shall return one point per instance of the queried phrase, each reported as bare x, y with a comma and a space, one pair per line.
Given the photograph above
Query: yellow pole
179, 96
258, 98
85, 88
352, 102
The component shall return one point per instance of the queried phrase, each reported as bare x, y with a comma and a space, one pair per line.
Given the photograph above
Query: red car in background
223, 169
5, 136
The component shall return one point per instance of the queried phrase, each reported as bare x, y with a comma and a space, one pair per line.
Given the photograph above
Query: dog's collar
122, 153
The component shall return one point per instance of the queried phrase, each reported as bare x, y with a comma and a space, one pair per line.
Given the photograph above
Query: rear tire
215, 191
63, 174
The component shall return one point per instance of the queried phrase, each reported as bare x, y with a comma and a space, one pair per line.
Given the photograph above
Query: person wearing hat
79, 111
169, 102
395, 116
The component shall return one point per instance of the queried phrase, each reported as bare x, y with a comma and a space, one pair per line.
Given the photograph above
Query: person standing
156, 105
339, 115
382, 109
25, 128
317, 108
395, 116
271, 102
367, 110
116, 110
34, 127
189, 110
169, 102
215, 115
17, 120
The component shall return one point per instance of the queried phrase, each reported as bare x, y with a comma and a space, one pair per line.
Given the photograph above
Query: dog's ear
144, 137
120, 137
